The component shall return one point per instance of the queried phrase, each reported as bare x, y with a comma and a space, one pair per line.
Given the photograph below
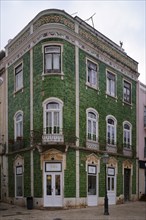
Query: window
111, 130
52, 59
18, 120
18, 77
53, 116
111, 84
145, 116
92, 74
127, 92
92, 125
19, 181
127, 135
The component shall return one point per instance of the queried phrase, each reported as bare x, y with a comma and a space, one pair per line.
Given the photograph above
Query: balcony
52, 138
111, 146
15, 145
144, 122
92, 143
127, 151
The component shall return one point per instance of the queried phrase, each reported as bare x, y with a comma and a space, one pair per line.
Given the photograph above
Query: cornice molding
50, 31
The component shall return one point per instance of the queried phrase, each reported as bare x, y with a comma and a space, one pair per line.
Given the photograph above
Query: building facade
141, 138
3, 157
71, 98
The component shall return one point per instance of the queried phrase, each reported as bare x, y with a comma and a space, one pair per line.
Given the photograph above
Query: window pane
19, 185
89, 126
111, 121
48, 62
57, 185
52, 105
49, 185
56, 118
126, 126
91, 185
92, 73
56, 61
91, 115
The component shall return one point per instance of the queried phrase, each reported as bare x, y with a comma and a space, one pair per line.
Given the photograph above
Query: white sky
118, 20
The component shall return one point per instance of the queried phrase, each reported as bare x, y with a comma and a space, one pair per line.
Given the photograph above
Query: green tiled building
71, 99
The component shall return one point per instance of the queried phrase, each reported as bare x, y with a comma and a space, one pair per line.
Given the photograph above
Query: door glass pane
108, 183
112, 184
49, 185
57, 185
91, 185
19, 185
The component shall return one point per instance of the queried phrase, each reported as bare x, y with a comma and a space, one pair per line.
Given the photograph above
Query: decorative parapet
53, 18
52, 138
86, 37
109, 49
23, 38
92, 144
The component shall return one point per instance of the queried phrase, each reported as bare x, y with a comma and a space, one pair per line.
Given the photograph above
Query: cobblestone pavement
127, 211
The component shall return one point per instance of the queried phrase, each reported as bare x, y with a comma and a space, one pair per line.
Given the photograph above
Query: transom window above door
52, 59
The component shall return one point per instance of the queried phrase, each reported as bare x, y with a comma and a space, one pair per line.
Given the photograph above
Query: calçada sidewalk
128, 211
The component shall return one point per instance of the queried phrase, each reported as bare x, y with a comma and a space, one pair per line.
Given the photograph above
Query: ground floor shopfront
69, 177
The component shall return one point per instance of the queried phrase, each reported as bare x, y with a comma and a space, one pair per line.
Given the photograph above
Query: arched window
127, 128
111, 129
18, 124
92, 125
53, 116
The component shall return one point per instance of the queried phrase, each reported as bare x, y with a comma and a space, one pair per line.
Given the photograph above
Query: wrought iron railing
17, 144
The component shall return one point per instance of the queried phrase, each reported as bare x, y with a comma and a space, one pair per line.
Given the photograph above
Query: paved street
128, 211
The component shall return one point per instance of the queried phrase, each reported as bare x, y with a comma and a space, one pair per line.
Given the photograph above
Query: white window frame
18, 76
90, 83
18, 173
125, 100
128, 132
92, 121
60, 110
44, 73
16, 124
112, 127
111, 84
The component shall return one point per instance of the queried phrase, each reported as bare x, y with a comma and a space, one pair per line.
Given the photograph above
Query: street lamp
105, 159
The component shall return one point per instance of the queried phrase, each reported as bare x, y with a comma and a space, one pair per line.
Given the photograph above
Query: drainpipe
31, 118
137, 142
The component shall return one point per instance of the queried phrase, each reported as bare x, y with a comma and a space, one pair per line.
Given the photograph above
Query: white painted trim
77, 118
31, 120
115, 127
18, 112
60, 102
